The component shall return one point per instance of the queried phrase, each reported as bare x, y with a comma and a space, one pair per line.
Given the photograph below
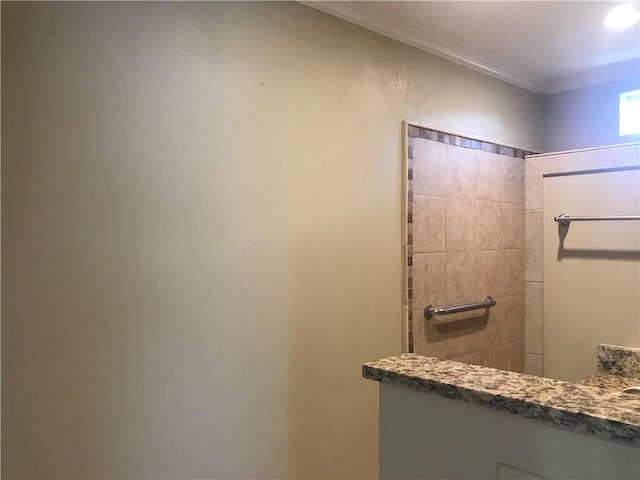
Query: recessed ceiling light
623, 16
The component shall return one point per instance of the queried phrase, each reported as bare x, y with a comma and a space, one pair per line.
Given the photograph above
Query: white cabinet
425, 436
505, 472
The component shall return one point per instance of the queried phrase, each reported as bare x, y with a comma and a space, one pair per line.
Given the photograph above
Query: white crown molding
391, 27
360, 14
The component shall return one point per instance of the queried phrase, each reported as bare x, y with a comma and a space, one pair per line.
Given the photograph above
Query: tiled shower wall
465, 239
536, 166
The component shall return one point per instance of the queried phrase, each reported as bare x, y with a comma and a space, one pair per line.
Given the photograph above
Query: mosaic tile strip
465, 142
414, 131
409, 242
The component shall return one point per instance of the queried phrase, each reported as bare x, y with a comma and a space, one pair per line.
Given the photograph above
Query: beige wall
586, 117
202, 235
467, 241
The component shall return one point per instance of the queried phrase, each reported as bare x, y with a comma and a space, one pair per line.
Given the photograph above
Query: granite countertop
610, 383
595, 406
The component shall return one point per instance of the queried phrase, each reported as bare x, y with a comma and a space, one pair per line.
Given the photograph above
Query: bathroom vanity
444, 419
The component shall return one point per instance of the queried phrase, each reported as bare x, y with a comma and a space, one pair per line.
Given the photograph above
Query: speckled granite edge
605, 413
614, 360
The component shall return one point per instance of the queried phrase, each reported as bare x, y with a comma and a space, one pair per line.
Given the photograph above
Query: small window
630, 113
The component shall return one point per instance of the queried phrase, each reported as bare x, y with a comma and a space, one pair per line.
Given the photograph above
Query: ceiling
543, 46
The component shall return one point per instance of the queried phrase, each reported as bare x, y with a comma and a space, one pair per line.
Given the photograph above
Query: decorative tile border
414, 131
465, 142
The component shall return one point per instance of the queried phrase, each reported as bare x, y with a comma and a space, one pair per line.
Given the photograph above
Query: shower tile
512, 220
489, 176
413, 132
461, 283
533, 364
428, 281
492, 357
511, 318
427, 340
533, 245
460, 224
467, 234
510, 273
509, 152
532, 187
471, 332
514, 353
533, 317
504, 357
460, 172
538, 162
428, 224
487, 273
428, 167
487, 225
473, 358
513, 171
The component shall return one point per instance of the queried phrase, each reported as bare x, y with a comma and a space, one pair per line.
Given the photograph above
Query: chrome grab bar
565, 219
430, 310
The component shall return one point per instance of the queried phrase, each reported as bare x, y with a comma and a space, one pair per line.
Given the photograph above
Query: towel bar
564, 219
